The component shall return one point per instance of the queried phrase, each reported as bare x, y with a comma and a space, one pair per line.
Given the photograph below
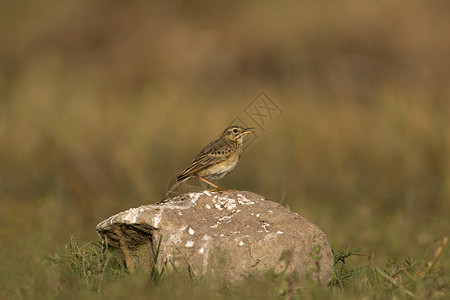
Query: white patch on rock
225, 218
191, 231
242, 200
189, 244
204, 250
257, 215
280, 232
111, 219
215, 226
231, 205
269, 236
194, 197
157, 218
224, 202
241, 243
206, 238
180, 213
264, 225
270, 211
131, 216
208, 206
207, 193
175, 238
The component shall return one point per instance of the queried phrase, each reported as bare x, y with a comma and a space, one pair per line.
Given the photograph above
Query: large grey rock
232, 234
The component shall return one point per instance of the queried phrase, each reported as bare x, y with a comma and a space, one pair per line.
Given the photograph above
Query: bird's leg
211, 184
216, 188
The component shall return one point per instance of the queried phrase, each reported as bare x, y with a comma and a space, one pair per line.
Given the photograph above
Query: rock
232, 234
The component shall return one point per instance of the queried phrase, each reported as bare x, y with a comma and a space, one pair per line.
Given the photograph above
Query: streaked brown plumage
217, 159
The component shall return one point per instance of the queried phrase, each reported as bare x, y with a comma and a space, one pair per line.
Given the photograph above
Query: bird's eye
235, 130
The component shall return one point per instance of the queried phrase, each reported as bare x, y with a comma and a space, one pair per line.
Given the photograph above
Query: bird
216, 159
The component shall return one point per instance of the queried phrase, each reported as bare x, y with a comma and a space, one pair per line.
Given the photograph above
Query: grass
94, 269
91, 264
102, 103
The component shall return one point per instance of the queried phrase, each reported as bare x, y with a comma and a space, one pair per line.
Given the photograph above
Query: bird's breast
221, 169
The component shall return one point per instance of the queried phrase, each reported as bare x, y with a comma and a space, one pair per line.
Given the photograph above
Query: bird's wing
215, 152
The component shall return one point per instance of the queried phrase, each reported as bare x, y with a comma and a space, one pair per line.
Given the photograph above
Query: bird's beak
249, 130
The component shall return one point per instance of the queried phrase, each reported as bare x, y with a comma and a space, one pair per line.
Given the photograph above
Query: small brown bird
216, 160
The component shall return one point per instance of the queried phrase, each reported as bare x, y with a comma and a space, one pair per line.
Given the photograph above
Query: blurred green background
103, 102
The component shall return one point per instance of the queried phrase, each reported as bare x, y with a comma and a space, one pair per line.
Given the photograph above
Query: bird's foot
218, 189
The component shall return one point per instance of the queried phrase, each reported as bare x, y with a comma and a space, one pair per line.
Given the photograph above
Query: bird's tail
174, 186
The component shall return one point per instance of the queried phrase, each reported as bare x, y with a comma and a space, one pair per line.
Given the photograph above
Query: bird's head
236, 133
